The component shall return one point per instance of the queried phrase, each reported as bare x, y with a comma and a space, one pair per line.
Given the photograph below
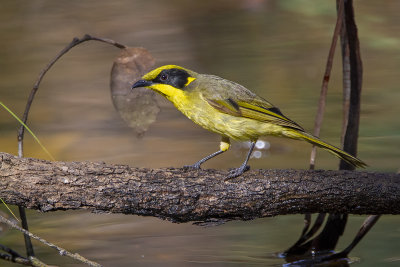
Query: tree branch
196, 195
32, 261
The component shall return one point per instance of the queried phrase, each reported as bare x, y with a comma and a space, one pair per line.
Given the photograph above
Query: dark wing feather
256, 109
227, 106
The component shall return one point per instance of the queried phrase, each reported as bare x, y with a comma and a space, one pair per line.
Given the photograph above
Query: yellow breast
196, 108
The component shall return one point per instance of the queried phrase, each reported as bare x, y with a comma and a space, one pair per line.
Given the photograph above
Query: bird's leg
244, 167
224, 146
197, 164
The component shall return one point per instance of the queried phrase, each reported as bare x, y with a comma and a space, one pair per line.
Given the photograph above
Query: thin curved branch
75, 41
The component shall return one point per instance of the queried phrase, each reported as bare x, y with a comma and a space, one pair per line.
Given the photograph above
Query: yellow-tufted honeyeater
229, 109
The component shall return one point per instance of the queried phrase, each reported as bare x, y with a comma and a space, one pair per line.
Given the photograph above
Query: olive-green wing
256, 109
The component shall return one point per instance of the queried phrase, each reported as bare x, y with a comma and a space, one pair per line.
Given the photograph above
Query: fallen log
203, 195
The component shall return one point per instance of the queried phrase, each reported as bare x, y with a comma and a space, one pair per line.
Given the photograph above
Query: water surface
276, 48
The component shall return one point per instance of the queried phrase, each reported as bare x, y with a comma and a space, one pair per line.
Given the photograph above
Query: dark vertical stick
329, 236
353, 72
301, 247
27, 239
346, 79
356, 75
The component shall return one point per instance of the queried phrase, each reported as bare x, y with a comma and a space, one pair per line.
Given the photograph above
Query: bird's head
167, 80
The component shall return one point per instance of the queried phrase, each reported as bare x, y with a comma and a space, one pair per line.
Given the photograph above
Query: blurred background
278, 49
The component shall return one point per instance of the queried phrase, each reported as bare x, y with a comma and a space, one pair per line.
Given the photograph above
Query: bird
230, 110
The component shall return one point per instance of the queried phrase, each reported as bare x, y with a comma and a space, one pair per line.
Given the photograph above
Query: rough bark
202, 195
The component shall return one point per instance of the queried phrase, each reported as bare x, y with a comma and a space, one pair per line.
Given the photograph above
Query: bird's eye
164, 77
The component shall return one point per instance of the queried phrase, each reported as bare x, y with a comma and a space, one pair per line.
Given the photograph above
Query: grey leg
197, 164
224, 146
244, 167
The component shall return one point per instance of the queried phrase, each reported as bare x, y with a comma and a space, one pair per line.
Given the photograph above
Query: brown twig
13, 256
325, 81
365, 227
60, 250
16, 259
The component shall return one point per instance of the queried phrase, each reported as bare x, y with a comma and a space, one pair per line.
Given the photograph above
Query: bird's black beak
142, 83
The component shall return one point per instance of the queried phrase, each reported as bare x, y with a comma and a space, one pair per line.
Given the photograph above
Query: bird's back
215, 87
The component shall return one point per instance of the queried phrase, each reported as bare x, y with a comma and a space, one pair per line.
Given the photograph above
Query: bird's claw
237, 172
192, 167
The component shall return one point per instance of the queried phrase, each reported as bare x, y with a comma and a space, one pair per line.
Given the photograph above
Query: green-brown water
276, 48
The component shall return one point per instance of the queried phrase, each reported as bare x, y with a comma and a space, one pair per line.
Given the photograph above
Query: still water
276, 48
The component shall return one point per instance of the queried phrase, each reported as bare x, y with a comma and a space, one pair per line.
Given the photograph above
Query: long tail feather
332, 149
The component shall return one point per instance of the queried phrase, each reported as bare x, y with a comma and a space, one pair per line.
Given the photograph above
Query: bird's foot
195, 166
237, 172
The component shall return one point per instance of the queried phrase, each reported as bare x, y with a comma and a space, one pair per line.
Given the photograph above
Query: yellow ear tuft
189, 80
